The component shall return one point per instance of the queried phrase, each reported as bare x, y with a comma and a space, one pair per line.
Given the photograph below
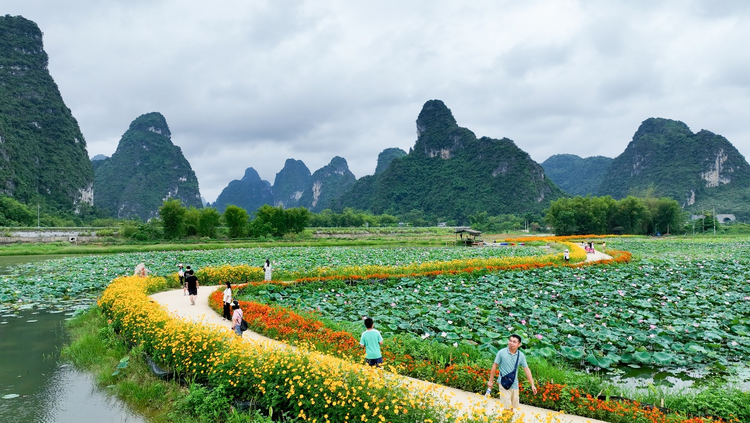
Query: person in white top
181, 275
267, 268
227, 302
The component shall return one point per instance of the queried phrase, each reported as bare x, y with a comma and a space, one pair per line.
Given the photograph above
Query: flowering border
309, 385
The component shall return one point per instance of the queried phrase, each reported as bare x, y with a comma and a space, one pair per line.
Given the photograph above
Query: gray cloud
246, 84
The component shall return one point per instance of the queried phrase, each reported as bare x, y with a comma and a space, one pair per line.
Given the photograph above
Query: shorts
509, 397
193, 291
374, 361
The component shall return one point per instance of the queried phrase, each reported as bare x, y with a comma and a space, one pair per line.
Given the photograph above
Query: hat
179, 265
235, 304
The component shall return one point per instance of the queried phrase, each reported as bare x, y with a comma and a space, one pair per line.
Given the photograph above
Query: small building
468, 237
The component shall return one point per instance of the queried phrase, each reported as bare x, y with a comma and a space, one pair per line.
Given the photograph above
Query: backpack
243, 325
507, 380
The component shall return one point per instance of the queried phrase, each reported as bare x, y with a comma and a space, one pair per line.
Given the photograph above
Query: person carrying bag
505, 363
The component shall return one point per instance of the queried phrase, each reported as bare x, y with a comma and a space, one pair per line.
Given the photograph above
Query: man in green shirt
506, 360
371, 340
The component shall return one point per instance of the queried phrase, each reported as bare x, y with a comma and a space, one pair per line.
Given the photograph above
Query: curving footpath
175, 302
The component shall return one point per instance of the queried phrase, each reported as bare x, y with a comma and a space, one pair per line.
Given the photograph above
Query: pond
34, 385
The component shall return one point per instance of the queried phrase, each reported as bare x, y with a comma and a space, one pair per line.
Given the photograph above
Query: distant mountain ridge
290, 183
42, 150
146, 169
449, 173
700, 170
250, 192
576, 175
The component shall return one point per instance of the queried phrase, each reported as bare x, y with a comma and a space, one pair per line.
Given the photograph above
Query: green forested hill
145, 170
575, 175
42, 151
327, 184
250, 193
291, 181
700, 170
386, 157
450, 174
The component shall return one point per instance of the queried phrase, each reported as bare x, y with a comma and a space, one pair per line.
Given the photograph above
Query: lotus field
680, 305
664, 313
87, 276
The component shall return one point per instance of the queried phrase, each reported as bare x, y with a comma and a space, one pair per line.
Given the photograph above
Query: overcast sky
252, 83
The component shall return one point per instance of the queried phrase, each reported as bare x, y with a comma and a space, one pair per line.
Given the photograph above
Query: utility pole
714, 220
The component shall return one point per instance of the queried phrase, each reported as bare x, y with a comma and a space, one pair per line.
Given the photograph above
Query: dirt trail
177, 303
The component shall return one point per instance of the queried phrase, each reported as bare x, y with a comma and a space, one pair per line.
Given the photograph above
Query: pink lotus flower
538, 336
523, 322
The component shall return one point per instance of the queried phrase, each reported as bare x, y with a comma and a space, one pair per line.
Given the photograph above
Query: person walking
371, 340
227, 302
192, 284
267, 269
508, 360
181, 276
237, 318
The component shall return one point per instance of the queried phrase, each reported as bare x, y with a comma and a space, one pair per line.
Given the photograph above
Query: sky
251, 83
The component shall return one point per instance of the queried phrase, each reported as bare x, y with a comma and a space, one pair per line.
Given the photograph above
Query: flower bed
286, 325
245, 274
307, 384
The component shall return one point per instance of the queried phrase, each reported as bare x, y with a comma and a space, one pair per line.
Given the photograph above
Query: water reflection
30, 343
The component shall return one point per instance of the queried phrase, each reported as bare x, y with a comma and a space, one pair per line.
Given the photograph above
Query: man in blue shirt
371, 340
505, 360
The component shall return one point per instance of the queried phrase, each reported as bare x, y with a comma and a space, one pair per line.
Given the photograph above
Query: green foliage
208, 222
192, 221
13, 213
173, 218
503, 223
350, 218
604, 215
236, 219
276, 222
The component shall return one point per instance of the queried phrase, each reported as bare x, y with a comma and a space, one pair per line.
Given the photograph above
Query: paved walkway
177, 303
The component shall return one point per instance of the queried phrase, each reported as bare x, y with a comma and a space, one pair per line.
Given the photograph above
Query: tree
631, 214
276, 222
13, 213
236, 219
191, 221
172, 215
666, 216
297, 219
208, 222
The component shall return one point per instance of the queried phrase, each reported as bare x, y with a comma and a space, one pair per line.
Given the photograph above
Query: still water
35, 386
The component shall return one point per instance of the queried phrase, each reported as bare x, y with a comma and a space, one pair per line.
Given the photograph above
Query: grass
95, 348
68, 249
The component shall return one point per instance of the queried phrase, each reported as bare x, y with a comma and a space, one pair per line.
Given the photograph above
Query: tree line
605, 215
179, 222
